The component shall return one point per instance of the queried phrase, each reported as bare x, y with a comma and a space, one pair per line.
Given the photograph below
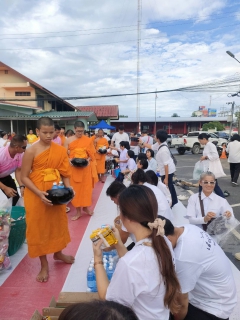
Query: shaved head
79, 124
44, 121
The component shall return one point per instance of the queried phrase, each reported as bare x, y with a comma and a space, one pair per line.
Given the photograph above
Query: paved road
185, 168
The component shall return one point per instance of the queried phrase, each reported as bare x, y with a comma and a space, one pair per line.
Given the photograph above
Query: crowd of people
167, 272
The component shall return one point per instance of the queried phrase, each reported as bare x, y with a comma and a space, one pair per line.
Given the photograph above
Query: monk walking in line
47, 226
100, 143
82, 178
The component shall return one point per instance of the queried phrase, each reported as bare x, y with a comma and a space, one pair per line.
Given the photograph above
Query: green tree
175, 115
194, 114
212, 125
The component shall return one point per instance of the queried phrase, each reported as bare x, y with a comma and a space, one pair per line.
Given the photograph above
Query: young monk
82, 179
47, 226
100, 142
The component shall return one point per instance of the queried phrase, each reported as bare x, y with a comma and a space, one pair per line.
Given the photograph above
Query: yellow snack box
106, 235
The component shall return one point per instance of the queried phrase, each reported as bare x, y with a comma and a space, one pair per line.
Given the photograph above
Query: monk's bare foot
76, 217
87, 211
63, 257
43, 274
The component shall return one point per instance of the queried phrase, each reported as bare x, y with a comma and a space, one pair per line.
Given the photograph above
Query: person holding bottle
144, 278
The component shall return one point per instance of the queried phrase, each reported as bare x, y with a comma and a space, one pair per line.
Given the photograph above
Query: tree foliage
194, 114
175, 115
213, 125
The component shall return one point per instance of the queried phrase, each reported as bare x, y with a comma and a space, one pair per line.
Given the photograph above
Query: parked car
173, 139
191, 143
222, 134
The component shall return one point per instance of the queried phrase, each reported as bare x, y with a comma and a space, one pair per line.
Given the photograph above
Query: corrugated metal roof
53, 114
105, 111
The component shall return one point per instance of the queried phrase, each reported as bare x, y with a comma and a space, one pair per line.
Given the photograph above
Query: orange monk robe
83, 179
47, 226
63, 138
100, 158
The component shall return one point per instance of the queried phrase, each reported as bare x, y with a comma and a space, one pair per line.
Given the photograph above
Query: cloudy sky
89, 47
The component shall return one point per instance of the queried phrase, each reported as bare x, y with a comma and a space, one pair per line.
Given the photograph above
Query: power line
117, 27
132, 40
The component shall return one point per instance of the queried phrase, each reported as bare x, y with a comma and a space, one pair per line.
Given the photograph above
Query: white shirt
123, 156
204, 272
152, 165
214, 162
212, 203
163, 205
131, 164
165, 191
233, 149
164, 158
137, 283
2, 141
146, 139
118, 137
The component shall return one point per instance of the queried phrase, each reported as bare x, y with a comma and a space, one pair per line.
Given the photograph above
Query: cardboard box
52, 310
67, 298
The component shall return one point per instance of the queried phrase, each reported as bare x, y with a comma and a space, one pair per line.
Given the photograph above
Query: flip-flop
67, 209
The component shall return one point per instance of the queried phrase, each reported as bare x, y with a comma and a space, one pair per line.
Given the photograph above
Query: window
40, 101
22, 93
6, 71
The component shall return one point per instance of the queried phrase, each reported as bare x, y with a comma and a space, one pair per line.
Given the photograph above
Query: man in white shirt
233, 150
118, 137
204, 273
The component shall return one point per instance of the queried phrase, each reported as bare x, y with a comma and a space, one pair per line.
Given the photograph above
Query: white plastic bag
199, 168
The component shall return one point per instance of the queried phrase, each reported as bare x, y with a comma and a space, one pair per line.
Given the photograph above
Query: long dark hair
98, 310
139, 204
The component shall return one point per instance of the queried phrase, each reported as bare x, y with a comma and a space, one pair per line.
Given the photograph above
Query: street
184, 171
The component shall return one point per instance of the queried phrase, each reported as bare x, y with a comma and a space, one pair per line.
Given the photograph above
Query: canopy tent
102, 125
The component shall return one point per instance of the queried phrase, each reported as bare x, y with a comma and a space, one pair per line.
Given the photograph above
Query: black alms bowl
79, 162
102, 151
60, 196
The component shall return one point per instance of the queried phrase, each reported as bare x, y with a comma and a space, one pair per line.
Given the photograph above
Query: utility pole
155, 130
138, 62
231, 123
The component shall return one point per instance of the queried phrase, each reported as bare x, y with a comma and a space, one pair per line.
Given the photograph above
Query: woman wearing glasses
210, 155
213, 206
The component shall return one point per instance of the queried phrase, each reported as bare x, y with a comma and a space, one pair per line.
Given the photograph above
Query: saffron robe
100, 158
63, 138
83, 179
47, 226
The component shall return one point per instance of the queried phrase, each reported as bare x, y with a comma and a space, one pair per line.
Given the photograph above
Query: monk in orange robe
100, 143
82, 179
44, 163
62, 135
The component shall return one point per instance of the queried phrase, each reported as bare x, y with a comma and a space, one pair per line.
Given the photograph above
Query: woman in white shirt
123, 158
165, 162
145, 277
210, 155
233, 150
140, 177
213, 205
152, 163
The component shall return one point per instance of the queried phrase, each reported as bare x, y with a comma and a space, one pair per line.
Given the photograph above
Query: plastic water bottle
54, 185
61, 185
110, 272
91, 280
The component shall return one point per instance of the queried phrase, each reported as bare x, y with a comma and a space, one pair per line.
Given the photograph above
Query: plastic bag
200, 167
5, 223
220, 227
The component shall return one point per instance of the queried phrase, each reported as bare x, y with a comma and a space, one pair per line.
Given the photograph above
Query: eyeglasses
209, 182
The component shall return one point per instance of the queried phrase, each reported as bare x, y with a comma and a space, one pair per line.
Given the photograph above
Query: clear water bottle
54, 185
60, 185
91, 280
110, 272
